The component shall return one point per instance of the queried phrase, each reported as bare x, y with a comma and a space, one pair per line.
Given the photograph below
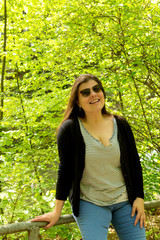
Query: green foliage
49, 43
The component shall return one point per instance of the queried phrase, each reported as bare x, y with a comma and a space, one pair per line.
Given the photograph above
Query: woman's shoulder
119, 118
67, 126
69, 123
69, 131
121, 121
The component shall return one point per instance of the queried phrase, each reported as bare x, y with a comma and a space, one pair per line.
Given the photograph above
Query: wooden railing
33, 227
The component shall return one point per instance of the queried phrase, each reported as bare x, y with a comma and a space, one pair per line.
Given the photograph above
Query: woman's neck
94, 119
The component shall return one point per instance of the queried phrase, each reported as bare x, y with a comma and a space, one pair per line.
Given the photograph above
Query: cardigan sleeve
130, 160
135, 168
65, 171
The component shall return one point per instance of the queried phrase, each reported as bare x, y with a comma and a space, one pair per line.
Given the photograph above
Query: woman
99, 167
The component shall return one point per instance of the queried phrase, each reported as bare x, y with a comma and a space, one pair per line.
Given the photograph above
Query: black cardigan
71, 149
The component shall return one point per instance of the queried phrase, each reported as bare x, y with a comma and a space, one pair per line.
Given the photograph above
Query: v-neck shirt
102, 181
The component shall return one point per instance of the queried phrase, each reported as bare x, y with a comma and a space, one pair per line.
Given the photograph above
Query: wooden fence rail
33, 227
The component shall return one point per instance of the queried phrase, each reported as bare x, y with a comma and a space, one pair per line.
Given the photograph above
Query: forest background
45, 45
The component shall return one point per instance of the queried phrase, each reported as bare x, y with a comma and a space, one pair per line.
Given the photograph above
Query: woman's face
90, 97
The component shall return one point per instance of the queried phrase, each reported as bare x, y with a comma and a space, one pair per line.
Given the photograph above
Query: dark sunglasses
86, 92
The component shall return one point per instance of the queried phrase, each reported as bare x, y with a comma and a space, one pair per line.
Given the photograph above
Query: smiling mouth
95, 101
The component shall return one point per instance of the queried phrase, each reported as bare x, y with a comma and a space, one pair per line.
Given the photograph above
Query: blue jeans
94, 221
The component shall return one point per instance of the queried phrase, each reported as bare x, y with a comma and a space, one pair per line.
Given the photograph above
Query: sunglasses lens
85, 92
96, 89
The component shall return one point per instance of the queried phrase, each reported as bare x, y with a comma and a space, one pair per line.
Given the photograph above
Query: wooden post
33, 233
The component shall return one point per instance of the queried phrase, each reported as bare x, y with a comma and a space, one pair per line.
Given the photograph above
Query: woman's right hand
51, 218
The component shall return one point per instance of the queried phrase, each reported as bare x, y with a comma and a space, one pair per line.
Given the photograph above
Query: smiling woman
73, 110
89, 95
99, 167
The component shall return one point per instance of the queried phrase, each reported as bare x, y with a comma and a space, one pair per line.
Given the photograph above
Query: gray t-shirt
102, 182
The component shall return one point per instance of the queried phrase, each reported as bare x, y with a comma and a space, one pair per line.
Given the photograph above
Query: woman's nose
92, 93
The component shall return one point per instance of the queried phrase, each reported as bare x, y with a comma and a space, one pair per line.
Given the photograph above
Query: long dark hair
73, 109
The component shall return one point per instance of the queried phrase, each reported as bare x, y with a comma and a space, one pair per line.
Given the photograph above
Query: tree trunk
2, 77
4, 60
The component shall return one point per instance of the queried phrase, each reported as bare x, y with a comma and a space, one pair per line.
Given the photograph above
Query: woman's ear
77, 103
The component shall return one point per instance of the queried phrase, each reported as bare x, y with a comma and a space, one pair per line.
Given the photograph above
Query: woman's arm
51, 217
66, 157
65, 175
138, 208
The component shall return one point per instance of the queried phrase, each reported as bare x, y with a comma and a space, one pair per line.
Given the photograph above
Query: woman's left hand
138, 207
